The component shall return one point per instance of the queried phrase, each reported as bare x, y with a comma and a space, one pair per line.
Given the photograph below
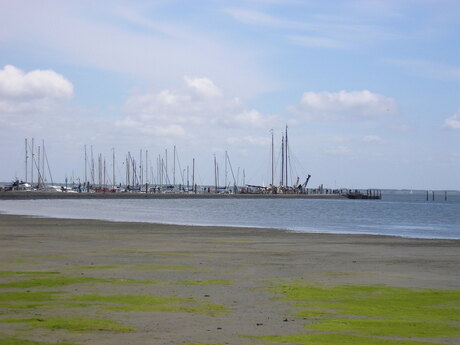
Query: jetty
32, 195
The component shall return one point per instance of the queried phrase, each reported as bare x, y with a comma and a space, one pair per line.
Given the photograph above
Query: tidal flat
97, 282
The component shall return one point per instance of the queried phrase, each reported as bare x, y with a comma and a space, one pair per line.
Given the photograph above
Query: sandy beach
198, 285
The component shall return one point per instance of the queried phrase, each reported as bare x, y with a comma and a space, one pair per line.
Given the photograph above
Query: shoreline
243, 227
205, 267
26, 195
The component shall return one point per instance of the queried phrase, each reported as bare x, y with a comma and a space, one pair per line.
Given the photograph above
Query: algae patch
59, 281
4, 340
50, 282
371, 314
336, 339
73, 324
25, 273
152, 303
26, 299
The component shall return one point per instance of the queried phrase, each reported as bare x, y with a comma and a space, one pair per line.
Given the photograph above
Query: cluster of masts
143, 174
36, 157
139, 173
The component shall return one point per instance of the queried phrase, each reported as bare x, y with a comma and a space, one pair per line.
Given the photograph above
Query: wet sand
230, 267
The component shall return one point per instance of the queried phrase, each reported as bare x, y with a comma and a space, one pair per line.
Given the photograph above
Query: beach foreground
96, 282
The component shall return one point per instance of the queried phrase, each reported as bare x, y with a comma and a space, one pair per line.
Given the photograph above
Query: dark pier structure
373, 194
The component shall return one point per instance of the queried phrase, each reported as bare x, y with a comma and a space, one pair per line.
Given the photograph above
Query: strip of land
97, 282
30, 195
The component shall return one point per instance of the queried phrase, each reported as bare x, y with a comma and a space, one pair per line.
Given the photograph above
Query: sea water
397, 214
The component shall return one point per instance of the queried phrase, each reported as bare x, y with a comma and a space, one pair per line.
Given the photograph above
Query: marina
140, 177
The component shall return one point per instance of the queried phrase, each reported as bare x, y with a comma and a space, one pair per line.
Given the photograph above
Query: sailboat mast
166, 166
273, 159
215, 174
133, 163
193, 175
113, 168
38, 166
43, 163
174, 167
127, 171
286, 156
26, 161
86, 175
147, 179
282, 161
141, 169
158, 170
99, 167
32, 165
225, 177
93, 175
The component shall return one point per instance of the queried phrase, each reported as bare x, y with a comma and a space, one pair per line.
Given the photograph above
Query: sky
368, 89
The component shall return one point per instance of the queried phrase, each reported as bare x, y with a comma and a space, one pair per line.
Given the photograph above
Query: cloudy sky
369, 89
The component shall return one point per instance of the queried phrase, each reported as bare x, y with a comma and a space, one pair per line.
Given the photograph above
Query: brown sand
250, 258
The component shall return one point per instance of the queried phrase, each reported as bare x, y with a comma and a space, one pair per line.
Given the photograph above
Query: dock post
445, 196
426, 195
433, 195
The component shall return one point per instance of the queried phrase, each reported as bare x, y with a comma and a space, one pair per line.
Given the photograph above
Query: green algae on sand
338, 339
371, 314
6, 340
26, 273
73, 324
50, 282
152, 303
31, 299
58, 281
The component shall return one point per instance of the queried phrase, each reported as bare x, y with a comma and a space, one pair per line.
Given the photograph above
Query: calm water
399, 214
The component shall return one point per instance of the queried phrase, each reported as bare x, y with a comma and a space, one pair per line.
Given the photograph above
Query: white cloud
344, 105
34, 91
203, 87
192, 110
453, 122
250, 118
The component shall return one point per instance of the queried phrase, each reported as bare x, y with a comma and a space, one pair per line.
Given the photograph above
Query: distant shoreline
26, 195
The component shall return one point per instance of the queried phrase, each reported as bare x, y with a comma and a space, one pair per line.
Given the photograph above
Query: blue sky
370, 90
